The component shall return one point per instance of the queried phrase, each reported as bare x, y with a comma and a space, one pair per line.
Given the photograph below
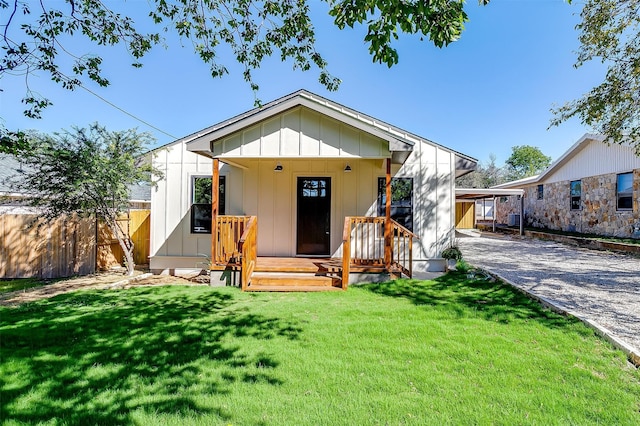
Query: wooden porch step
289, 288
292, 280
294, 264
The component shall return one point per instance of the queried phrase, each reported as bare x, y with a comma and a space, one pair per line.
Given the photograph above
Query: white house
594, 187
300, 165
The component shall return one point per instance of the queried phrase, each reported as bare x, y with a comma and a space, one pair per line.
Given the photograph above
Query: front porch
373, 248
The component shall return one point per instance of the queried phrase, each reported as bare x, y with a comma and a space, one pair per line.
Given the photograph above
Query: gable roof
570, 153
585, 140
400, 141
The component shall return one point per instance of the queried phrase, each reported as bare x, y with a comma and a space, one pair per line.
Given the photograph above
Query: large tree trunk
125, 243
128, 255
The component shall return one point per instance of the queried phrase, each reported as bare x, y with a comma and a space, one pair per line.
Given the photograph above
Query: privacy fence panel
29, 247
138, 224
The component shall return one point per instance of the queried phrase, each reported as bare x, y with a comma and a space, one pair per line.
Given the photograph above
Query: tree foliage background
486, 175
35, 34
87, 172
610, 33
524, 161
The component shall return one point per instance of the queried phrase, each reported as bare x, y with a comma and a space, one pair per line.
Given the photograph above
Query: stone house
593, 188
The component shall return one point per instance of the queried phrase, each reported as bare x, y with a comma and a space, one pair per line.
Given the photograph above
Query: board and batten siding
301, 132
306, 144
172, 245
433, 169
596, 158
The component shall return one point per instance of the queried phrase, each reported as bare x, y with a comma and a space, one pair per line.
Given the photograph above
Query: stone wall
598, 214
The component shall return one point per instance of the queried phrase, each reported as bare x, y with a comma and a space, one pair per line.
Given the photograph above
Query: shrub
452, 253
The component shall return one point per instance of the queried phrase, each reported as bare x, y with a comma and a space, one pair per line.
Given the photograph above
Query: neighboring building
593, 188
301, 164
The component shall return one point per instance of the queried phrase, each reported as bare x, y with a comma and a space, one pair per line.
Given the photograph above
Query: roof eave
399, 140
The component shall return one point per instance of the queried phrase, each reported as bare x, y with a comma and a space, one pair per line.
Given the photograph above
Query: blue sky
489, 91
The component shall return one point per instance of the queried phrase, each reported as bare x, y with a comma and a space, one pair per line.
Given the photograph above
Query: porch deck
310, 264
300, 274
234, 246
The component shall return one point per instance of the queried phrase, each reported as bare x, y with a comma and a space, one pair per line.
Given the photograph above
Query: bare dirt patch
102, 280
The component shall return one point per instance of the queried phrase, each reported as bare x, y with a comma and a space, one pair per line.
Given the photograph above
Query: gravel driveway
603, 287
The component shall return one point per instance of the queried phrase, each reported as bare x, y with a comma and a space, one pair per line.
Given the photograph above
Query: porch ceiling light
278, 167
347, 169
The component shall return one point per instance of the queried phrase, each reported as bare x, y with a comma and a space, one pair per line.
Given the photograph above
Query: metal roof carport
464, 194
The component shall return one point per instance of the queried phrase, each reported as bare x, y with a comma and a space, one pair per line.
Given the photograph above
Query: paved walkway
600, 286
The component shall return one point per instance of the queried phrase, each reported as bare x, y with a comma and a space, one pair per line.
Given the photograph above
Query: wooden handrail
346, 252
402, 250
363, 243
368, 237
403, 229
247, 246
229, 229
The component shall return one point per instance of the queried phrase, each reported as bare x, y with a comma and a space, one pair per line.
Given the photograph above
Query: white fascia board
469, 194
399, 140
564, 158
202, 143
517, 183
356, 121
12, 195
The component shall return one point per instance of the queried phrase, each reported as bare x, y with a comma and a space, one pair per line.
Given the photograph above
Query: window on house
201, 203
576, 194
540, 192
484, 209
401, 200
624, 191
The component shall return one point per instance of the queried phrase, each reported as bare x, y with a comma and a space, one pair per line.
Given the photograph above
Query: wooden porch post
215, 185
387, 218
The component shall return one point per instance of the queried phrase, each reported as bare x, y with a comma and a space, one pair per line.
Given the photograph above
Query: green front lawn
450, 351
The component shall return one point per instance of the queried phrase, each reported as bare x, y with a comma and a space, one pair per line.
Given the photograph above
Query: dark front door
314, 215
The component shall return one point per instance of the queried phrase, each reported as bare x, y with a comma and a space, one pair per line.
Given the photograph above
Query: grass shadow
465, 296
95, 357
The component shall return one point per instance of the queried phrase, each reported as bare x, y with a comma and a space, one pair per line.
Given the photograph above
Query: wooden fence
30, 248
67, 246
138, 224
